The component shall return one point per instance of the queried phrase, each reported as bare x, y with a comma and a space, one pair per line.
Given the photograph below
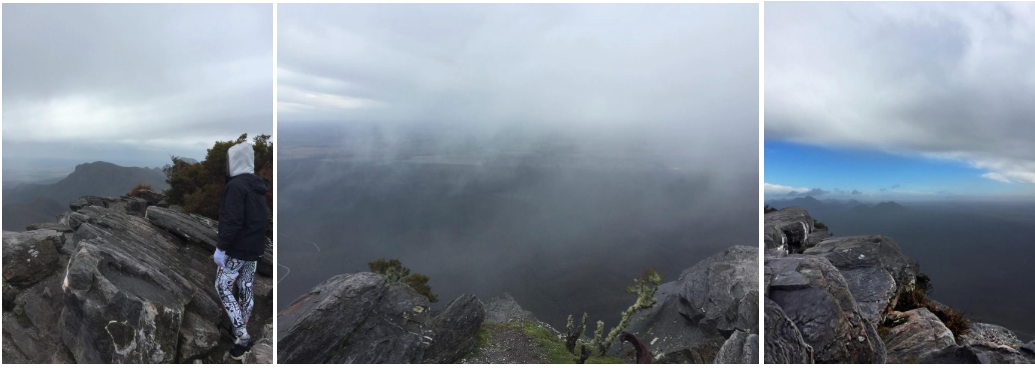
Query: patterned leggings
242, 272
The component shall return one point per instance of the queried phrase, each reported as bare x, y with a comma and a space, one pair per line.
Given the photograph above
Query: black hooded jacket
243, 217
243, 214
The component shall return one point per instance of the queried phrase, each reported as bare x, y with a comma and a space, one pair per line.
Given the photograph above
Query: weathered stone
875, 269
85, 201
991, 335
199, 230
788, 229
32, 328
61, 228
695, 314
455, 329
150, 196
823, 310
197, 337
504, 309
921, 333
30, 256
122, 303
783, 341
354, 319
975, 354
740, 348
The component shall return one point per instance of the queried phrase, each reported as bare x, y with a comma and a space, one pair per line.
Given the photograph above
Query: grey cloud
895, 186
856, 192
681, 77
127, 82
942, 80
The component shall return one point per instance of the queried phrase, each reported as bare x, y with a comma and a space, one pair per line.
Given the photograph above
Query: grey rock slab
30, 256
921, 333
874, 267
740, 348
783, 341
454, 330
825, 312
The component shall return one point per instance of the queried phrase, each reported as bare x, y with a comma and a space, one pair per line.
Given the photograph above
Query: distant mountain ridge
31, 203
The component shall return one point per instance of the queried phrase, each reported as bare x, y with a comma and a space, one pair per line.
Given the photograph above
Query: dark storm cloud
129, 82
944, 80
681, 78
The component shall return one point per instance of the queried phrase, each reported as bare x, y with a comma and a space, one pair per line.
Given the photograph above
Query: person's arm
231, 215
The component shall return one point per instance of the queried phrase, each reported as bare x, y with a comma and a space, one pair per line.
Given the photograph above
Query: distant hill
30, 203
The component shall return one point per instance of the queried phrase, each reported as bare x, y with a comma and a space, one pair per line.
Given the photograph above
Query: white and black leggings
242, 272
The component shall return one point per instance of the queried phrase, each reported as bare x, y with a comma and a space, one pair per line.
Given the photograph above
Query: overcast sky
945, 83
131, 84
687, 73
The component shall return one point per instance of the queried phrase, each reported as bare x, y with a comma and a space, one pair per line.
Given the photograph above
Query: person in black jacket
243, 216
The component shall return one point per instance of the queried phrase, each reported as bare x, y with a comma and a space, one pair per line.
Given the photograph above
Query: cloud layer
946, 80
683, 74
137, 79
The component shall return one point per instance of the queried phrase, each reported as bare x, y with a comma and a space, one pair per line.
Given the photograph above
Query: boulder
127, 288
921, 333
816, 237
976, 354
504, 309
31, 328
788, 229
61, 228
696, 314
85, 201
262, 351
30, 256
10, 292
721, 292
199, 230
740, 348
455, 329
193, 229
152, 197
354, 318
991, 335
874, 268
783, 341
814, 295
197, 337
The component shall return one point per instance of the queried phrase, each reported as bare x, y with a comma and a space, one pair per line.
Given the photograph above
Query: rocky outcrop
504, 309
121, 290
814, 295
152, 197
920, 333
991, 335
30, 256
740, 348
874, 268
788, 230
977, 354
454, 330
362, 318
696, 314
783, 343
838, 291
200, 231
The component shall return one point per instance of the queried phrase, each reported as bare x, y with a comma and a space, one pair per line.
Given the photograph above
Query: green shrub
198, 187
820, 226
395, 272
767, 209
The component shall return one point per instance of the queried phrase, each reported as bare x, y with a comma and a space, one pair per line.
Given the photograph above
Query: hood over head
241, 159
